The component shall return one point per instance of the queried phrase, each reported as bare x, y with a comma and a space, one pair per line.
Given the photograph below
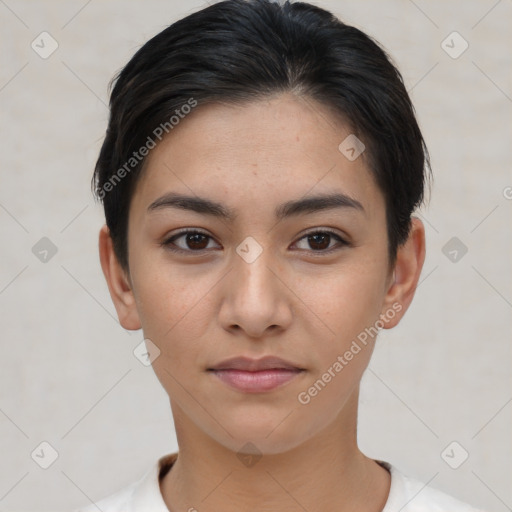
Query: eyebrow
291, 208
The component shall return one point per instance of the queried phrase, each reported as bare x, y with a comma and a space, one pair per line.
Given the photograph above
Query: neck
327, 472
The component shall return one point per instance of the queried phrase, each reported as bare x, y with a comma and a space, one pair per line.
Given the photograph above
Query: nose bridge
254, 299
253, 279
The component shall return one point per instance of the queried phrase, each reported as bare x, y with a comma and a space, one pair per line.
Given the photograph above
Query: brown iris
196, 241
320, 240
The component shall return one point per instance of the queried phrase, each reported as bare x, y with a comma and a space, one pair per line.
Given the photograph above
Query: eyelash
168, 243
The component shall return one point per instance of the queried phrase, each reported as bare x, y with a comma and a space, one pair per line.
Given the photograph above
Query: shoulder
410, 495
116, 502
142, 495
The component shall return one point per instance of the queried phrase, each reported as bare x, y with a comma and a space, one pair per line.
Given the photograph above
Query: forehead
270, 150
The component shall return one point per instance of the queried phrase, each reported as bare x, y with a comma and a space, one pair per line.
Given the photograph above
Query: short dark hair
237, 51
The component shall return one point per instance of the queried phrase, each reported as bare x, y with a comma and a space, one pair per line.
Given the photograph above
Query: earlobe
118, 283
406, 273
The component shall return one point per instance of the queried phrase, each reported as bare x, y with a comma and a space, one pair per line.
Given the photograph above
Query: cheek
175, 316
347, 301
173, 309
349, 308
351, 311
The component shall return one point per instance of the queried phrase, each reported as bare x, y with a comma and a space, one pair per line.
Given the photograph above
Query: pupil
194, 241
323, 237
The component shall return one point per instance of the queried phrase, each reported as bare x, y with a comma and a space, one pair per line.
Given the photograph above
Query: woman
259, 174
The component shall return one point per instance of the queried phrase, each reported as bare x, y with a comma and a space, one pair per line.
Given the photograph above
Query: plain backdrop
438, 389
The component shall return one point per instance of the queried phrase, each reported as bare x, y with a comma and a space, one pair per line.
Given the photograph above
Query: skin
293, 302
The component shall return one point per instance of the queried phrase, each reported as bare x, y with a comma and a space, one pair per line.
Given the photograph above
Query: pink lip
256, 382
255, 375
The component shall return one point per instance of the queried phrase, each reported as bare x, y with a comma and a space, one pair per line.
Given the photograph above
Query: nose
256, 299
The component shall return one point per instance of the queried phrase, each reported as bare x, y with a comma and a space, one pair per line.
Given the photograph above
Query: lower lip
256, 382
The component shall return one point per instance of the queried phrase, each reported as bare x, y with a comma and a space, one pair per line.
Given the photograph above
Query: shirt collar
147, 494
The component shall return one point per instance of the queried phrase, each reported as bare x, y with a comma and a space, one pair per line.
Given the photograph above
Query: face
250, 266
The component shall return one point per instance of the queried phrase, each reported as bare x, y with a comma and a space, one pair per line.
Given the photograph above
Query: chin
261, 444
262, 434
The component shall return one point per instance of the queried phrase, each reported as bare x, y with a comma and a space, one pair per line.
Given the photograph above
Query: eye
320, 241
192, 241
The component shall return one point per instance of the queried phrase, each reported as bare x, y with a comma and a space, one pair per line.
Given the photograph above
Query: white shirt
405, 494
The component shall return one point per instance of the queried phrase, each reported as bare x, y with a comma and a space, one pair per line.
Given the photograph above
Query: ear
118, 282
407, 270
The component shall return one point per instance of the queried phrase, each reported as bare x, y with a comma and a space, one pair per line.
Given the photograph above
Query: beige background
68, 375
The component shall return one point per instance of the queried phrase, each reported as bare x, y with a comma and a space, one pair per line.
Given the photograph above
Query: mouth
255, 375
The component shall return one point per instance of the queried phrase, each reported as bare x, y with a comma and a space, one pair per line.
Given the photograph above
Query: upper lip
254, 365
